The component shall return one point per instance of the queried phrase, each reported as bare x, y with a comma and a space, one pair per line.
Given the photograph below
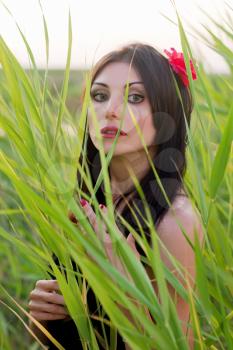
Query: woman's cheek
149, 132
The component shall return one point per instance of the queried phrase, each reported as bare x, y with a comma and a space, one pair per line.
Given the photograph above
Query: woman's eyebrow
133, 82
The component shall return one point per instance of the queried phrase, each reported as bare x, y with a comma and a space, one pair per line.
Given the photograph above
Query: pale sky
102, 25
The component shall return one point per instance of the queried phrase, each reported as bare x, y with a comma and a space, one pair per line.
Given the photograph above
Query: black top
66, 333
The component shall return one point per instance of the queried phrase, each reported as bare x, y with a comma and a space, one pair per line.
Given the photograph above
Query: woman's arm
174, 240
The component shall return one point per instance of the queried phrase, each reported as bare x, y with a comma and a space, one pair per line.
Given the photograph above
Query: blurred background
112, 23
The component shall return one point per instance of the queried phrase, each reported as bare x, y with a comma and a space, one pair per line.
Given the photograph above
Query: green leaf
222, 156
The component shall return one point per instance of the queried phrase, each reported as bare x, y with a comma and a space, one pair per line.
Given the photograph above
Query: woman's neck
120, 167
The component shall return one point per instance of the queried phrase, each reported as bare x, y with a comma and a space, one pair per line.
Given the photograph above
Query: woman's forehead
117, 73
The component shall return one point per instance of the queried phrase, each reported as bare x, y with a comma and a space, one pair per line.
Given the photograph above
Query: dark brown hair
169, 115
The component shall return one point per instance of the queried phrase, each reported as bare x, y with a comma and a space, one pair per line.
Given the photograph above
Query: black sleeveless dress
66, 332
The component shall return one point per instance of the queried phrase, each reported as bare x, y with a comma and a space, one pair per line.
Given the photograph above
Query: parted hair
171, 104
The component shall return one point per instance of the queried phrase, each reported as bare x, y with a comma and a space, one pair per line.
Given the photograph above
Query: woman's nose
115, 109
111, 114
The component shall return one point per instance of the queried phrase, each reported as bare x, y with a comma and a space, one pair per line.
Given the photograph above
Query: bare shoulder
182, 215
176, 230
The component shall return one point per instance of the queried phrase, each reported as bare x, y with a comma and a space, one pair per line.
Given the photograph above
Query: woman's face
107, 95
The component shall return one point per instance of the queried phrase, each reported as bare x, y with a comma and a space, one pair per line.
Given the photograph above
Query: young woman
160, 113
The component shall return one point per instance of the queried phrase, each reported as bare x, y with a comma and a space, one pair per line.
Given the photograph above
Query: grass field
40, 131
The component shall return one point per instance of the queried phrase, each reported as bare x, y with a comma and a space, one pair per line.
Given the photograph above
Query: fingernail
102, 206
83, 202
72, 218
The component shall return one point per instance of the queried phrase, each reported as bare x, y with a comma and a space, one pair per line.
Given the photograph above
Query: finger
48, 285
45, 316
82, 229
40, 306
130, 239
47, 297
89, 212
72, 217
104, 211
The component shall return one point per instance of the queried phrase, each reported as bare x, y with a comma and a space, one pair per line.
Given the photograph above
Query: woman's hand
46, 303
106, 238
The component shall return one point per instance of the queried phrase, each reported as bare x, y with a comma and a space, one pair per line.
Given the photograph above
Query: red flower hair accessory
176, 60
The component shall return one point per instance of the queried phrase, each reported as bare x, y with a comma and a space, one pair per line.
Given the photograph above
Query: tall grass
38, 162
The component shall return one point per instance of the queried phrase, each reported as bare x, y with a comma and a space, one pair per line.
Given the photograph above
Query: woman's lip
112, 129
110, 136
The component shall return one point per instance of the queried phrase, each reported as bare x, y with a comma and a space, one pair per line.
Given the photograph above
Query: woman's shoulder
176, 231
182, 214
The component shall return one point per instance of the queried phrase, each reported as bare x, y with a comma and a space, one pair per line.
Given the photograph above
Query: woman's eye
136, 98
99, 96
